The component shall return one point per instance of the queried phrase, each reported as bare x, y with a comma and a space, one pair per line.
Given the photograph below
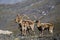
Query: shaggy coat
43, 26
24, 24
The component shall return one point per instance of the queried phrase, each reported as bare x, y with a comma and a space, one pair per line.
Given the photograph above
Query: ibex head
18, 18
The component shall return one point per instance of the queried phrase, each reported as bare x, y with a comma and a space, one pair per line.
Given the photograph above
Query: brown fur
25, 24
49, 26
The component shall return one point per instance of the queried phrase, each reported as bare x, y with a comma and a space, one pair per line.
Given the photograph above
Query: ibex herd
29, 24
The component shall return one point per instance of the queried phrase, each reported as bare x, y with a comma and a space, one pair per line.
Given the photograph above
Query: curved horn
26, 16
41, 17
35, 17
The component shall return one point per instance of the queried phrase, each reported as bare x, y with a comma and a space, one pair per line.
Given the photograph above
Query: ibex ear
18, 14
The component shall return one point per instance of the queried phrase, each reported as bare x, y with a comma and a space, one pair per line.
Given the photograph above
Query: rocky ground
46, 37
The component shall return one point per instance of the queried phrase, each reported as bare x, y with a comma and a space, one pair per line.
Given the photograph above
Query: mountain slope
49, 9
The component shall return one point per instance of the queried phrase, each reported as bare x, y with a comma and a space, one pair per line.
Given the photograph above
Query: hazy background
10, 1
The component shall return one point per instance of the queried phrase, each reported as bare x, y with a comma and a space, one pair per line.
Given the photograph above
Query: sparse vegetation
8, 13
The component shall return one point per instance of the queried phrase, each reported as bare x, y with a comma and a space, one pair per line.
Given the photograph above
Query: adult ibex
24, 24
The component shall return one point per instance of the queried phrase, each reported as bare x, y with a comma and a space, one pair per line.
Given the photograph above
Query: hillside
49, 9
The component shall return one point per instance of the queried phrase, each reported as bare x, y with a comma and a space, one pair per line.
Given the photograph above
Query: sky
10, 1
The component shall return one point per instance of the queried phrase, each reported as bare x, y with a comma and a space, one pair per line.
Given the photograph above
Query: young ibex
43, 26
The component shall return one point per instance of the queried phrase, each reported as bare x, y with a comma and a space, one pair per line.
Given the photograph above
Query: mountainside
49, 9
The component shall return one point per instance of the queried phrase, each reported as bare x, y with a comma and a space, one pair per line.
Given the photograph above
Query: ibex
43, 26
24, 24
